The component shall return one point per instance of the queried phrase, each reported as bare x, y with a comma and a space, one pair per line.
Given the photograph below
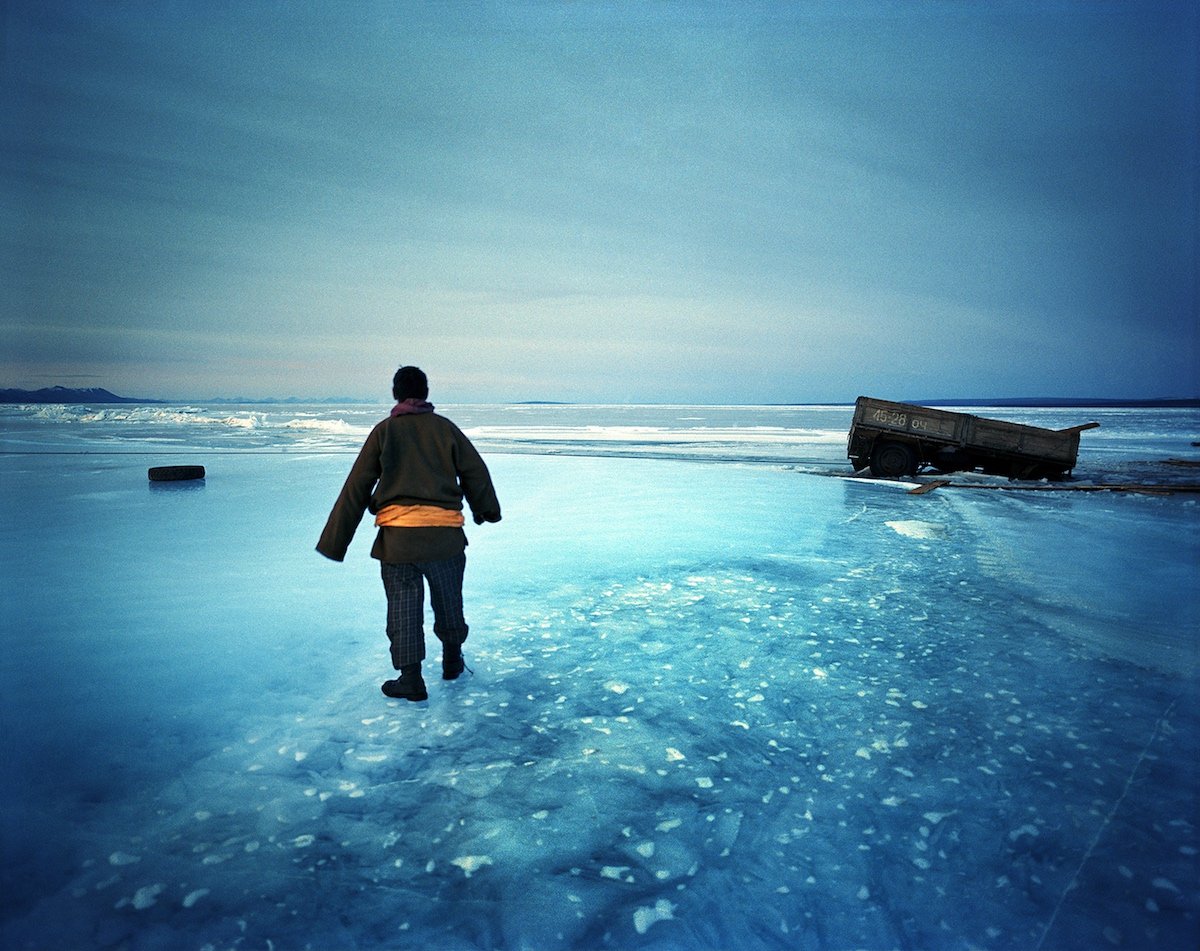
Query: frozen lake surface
720, 700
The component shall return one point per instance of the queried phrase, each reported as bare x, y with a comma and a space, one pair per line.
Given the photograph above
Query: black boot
408, 686
452, 661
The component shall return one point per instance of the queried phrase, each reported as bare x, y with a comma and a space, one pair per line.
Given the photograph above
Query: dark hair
409, 383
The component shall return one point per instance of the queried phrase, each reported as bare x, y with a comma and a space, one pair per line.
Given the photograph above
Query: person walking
412, 474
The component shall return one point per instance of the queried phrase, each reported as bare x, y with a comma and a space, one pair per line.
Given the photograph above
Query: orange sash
418, 516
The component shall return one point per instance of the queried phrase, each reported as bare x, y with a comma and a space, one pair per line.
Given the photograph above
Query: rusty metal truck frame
897, 439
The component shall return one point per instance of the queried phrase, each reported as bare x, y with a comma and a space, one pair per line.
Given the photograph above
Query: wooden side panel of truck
896, 439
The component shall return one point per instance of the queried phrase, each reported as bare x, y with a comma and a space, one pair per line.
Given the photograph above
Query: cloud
801, 194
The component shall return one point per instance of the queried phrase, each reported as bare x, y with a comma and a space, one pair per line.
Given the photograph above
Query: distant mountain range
63, 394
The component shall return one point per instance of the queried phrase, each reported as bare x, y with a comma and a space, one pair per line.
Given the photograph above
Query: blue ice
714, 705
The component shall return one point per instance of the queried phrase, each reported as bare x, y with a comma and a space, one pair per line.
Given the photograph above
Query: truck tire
175, 473
890, 459
949, 460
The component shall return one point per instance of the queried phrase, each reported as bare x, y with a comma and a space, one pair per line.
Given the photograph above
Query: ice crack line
1105, 824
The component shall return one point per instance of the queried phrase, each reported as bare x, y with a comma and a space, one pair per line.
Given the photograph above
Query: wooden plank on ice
929, 486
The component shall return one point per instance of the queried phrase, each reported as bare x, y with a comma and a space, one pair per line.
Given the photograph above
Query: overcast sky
620, 202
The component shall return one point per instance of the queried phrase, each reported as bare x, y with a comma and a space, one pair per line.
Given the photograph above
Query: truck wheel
946, 461
892, 459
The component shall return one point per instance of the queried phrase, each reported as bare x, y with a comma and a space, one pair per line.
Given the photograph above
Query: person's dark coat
419, 459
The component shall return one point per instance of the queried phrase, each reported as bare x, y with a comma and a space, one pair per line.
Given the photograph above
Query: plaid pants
404, 584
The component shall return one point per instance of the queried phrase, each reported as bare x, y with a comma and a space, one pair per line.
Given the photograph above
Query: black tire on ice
175, 473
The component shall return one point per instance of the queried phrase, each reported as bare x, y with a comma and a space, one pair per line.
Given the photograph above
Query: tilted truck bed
898, 438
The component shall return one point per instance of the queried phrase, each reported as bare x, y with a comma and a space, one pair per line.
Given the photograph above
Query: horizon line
9, 394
